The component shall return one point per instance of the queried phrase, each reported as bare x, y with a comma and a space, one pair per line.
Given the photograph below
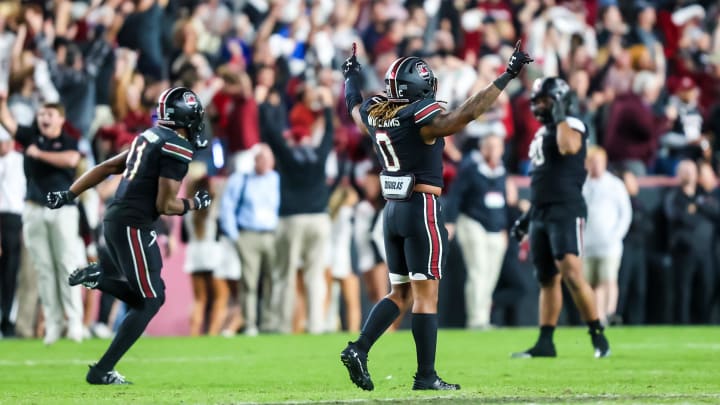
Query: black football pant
11, 232
136, 254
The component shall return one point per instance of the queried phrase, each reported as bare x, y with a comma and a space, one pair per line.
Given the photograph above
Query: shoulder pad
178, 148
425, 110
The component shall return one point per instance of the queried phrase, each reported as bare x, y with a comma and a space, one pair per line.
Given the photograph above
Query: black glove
520, 227
56, 199
351, 66
559, 107
202, 200
517, 61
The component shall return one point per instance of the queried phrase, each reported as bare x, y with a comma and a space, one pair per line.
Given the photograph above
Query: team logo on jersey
422, 69
189, 98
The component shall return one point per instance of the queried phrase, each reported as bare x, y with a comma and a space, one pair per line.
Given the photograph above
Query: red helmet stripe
161, 103
393, 85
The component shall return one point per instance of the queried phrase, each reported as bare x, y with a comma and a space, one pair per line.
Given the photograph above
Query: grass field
648, 365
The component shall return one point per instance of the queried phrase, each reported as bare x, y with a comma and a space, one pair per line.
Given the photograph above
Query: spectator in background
634, 126
477, 203
249, 217
708, 189
632, 279
203, 257
12, 196
304, 224
692, 217
51, 156
72, 73
685, 139
609, 216
646, 50
341, 207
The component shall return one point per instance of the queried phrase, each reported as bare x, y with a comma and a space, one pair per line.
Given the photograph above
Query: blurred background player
557, 217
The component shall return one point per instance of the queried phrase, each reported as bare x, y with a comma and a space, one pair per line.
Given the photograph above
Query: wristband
503, 80
353, 96
186, 206
71, 195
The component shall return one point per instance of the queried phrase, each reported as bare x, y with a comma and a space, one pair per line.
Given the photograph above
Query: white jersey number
536, 154
392, 163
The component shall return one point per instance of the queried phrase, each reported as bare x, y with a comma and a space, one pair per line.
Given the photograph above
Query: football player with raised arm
557, 217
152, 170
407, 126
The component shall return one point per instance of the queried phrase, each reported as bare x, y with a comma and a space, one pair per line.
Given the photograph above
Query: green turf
648, 365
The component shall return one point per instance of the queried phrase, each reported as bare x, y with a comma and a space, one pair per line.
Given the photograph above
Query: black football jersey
157, 152
398, 144
556, 178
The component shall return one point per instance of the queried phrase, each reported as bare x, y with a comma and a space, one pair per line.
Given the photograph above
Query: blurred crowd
296, 226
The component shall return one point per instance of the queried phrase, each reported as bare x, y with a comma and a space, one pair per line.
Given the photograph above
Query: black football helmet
556, 90
410, 79
180, 107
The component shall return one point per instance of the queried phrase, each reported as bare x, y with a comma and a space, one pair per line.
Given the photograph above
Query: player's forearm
477, 104
176, 206
90, 179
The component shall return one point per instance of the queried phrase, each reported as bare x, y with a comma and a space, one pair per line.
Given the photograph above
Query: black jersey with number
398, 144
555, 178
157, 152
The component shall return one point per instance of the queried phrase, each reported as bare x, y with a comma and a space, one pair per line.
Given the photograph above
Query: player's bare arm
569, 140
167, 202
93, 177
451, 122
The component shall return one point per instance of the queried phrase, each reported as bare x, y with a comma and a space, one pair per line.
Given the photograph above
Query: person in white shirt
609, 217
12, 202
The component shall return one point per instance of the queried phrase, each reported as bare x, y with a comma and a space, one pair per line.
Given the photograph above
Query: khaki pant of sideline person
257, 253
27, 297
301, 241
483, 253
51, 237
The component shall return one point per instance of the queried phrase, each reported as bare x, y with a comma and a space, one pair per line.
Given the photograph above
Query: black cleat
87, 276
435, 383
539, 350
99, 377
355, 361
600, 343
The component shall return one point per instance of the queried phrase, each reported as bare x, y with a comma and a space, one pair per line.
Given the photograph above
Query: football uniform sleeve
175, 157
577, 125
425, 110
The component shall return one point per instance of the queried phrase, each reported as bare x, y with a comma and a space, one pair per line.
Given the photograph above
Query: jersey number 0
392, 163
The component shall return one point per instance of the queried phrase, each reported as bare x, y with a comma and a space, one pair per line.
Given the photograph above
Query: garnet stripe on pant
139, 265
434, 236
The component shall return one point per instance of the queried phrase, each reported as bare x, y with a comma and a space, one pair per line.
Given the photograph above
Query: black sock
595, 327
424, 330
546, 333
382, 315
129, 331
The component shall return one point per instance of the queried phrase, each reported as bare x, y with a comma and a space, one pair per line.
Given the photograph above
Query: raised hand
517, 60
351, 66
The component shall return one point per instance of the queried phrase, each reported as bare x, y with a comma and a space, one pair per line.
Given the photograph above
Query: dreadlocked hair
385, 110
